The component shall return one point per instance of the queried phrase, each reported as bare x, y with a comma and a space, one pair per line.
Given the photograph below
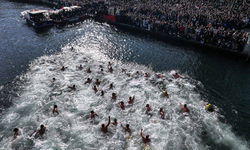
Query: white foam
71, 129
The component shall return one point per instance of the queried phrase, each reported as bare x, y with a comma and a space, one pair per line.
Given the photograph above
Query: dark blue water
225, 79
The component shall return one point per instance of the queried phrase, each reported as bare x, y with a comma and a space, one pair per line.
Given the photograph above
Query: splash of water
71, 129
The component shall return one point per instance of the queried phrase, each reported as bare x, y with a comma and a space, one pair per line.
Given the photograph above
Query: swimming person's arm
37, 132
122, 125
108, 122
182, 106
142, 135
96, 114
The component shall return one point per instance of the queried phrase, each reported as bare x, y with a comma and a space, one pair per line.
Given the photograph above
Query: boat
68, 15
37, 18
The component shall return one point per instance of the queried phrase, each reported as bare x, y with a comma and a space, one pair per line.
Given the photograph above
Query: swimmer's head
166, 92
92, 112
55, 106
185, 105
41, 126
147, 105
147, 136
161, 109
16, 130
115, 120
103, 125
127, 125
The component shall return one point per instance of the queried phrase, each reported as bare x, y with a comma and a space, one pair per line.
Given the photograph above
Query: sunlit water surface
32, 95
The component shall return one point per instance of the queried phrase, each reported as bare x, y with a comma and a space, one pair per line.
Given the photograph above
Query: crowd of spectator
215, 22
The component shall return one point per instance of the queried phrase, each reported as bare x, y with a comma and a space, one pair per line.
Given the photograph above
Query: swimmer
41, 131
72, 87
131, 100
146, 75
52, 61
137, 73
80, 67
109, 63
88, 81
146, 139
92, 115
101, 71
124, 70
102, 93
161, 113
15, 132
97, 82
165, 93
113, 96
115, 122
127, 129
55, 111
72, 48
128, 74
63, 68
121, 105
184, 108
209, 107
88, 70
111, 86
110, 69
53, 80
95, 89
176, 75
104, 127
159, 75
147, 108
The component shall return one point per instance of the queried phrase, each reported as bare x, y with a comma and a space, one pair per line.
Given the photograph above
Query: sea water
71, 129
